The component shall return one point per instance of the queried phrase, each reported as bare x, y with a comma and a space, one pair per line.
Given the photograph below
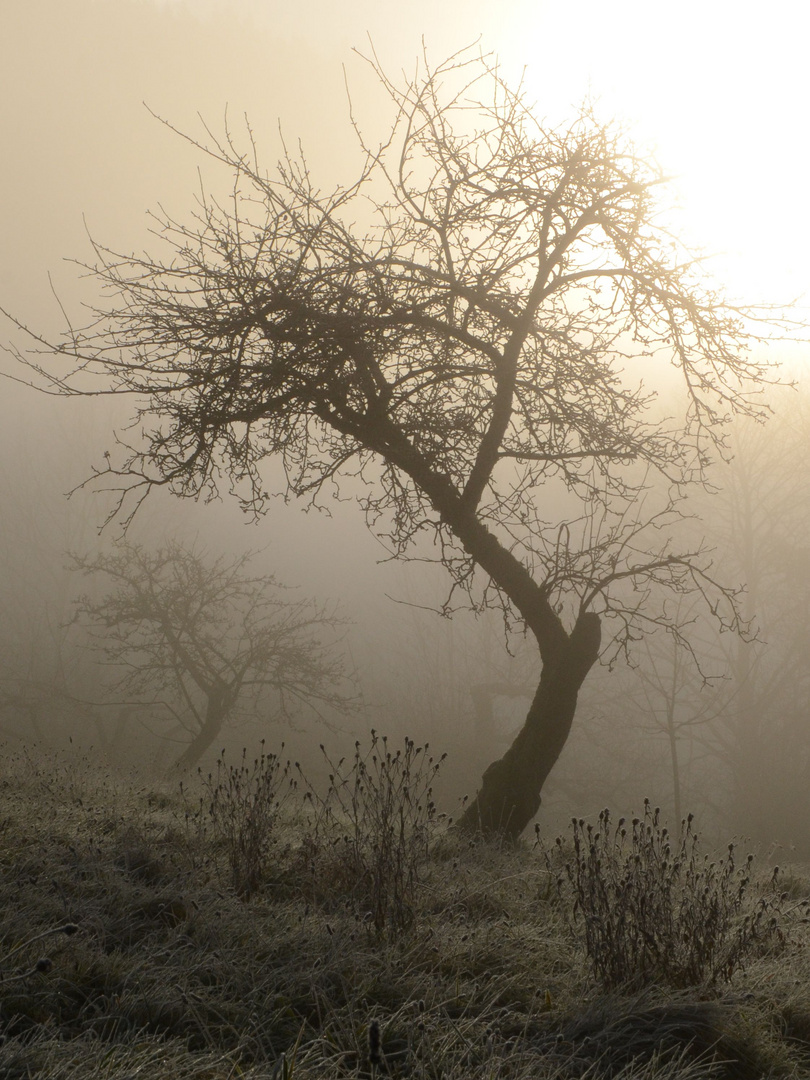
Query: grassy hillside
236, 929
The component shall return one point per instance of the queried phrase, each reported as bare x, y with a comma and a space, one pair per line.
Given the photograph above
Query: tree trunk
510, 789
219, 704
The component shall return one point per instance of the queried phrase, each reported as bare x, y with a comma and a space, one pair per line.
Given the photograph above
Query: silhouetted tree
208, 637
459, 328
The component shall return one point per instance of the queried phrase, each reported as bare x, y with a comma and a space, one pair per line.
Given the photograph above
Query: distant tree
669, 696
458, 328
761, 524
207, 638
739, 742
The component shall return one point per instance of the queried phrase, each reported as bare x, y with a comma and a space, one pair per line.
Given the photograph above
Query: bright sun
721, 92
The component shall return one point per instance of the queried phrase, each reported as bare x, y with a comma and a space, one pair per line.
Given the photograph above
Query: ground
130, 945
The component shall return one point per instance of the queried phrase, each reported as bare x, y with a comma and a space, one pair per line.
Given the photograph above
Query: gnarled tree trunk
220, 701
510, 790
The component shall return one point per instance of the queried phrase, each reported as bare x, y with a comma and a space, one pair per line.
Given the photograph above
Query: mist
85, 159
404, 573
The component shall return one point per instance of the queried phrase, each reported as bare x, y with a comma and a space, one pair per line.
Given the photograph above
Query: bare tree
458, 329
761, 519
205, 637
673, 699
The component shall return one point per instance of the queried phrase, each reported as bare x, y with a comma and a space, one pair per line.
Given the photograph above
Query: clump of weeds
371, 829
651, 908
241, 809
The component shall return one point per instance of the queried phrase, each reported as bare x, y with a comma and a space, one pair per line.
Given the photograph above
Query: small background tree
761, 520
206, 640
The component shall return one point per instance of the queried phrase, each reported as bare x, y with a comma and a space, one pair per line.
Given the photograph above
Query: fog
85, 157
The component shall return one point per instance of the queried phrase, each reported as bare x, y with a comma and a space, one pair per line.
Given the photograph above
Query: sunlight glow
720, 91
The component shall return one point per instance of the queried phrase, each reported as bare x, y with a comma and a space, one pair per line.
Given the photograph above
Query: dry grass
173, 974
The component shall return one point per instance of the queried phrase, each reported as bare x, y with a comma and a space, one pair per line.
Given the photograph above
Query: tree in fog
668, 695
761, 524
741, 741
463, 329
204, 637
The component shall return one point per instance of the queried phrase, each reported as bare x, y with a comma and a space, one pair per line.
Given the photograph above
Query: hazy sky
720, 88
